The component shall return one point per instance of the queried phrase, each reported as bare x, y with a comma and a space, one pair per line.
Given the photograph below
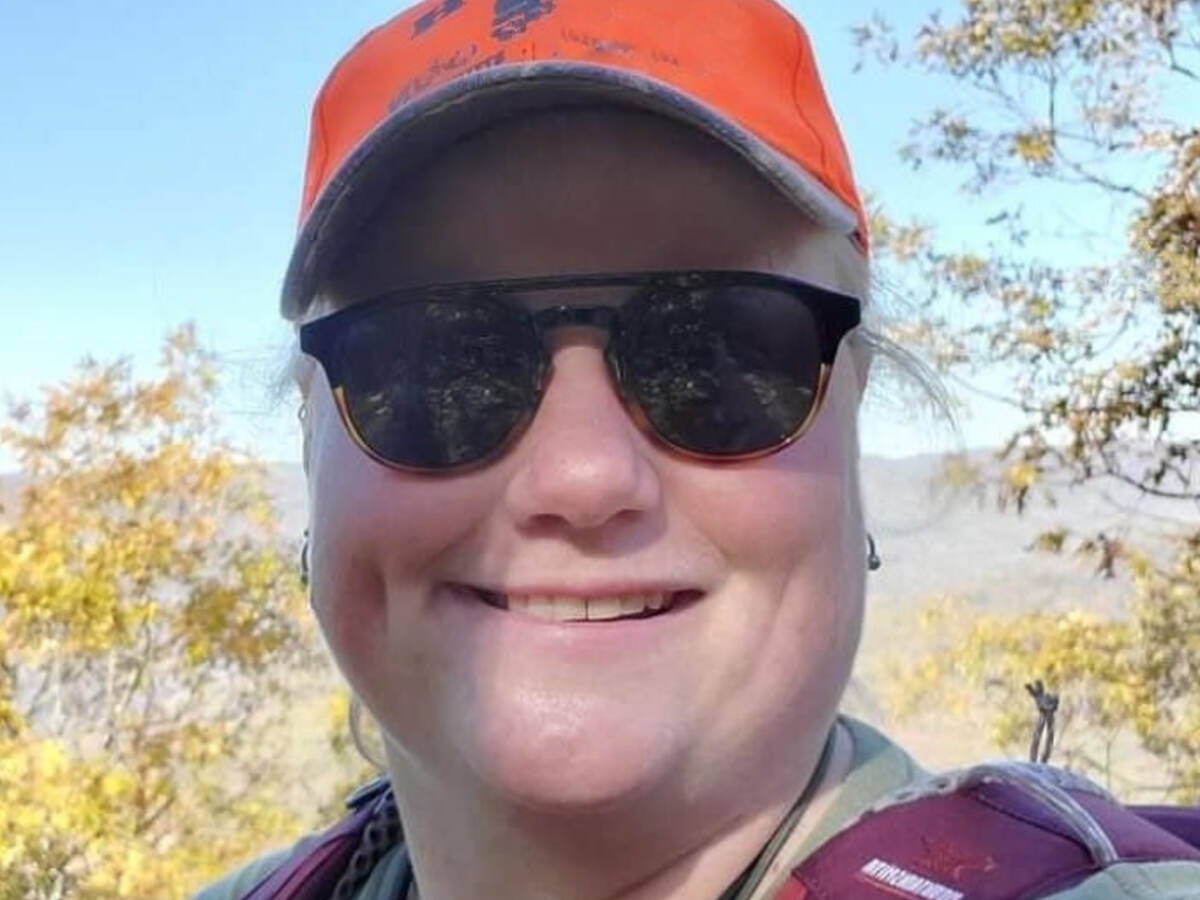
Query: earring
873, 561
304, 559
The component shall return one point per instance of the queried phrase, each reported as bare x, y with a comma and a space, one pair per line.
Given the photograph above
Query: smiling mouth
559, 608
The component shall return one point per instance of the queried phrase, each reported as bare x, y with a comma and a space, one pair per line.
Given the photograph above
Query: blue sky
151, 165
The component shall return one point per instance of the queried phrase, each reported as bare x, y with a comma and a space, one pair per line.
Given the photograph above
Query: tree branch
1177, 67
1115, 472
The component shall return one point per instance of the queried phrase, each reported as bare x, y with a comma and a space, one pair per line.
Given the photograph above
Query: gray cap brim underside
412, 135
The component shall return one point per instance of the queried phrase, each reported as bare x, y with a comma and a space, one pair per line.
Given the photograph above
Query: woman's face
709, 698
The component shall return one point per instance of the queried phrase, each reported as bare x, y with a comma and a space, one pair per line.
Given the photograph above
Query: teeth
591, 609
599, 608
633, 605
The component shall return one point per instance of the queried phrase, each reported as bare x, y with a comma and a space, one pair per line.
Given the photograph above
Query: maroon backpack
314, 868
993, 832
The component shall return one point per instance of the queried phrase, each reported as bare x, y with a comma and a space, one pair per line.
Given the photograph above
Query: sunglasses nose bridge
546, 320
605, 318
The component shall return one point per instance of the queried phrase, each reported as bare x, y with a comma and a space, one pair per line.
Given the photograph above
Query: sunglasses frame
835, 314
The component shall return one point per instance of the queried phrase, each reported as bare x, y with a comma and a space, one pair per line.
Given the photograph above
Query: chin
569, 754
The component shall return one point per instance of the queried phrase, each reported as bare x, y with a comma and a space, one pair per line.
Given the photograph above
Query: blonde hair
357, 735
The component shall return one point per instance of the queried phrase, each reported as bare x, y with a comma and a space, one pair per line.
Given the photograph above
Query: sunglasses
716, 365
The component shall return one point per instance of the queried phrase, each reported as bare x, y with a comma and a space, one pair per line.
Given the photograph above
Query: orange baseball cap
742, 71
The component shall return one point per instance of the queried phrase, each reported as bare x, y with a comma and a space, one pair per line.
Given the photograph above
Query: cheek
376, 534
795, 511
790, 529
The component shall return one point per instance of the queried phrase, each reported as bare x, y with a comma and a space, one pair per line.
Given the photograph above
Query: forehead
582, 190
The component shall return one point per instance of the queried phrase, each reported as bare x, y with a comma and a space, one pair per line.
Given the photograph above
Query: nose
582, 463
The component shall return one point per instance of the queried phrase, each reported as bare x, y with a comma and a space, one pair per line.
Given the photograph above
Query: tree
150, 622
1099, 98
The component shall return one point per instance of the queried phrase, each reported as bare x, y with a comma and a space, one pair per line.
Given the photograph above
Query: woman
580, 286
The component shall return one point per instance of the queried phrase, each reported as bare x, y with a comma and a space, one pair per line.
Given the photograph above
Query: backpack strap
315, 866
1181, 821
987, 833
993, 832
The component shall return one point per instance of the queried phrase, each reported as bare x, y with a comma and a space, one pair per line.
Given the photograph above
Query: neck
463, 844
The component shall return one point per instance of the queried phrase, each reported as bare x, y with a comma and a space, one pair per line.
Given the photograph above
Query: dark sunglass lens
440, 383
722, 370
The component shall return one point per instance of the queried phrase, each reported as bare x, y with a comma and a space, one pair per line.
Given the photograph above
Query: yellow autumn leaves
151, 627
1095, 341
1128, 680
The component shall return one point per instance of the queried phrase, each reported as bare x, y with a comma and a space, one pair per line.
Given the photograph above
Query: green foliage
149, 619
1104, 356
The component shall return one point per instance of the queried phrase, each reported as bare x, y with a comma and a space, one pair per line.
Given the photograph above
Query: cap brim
413, 134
